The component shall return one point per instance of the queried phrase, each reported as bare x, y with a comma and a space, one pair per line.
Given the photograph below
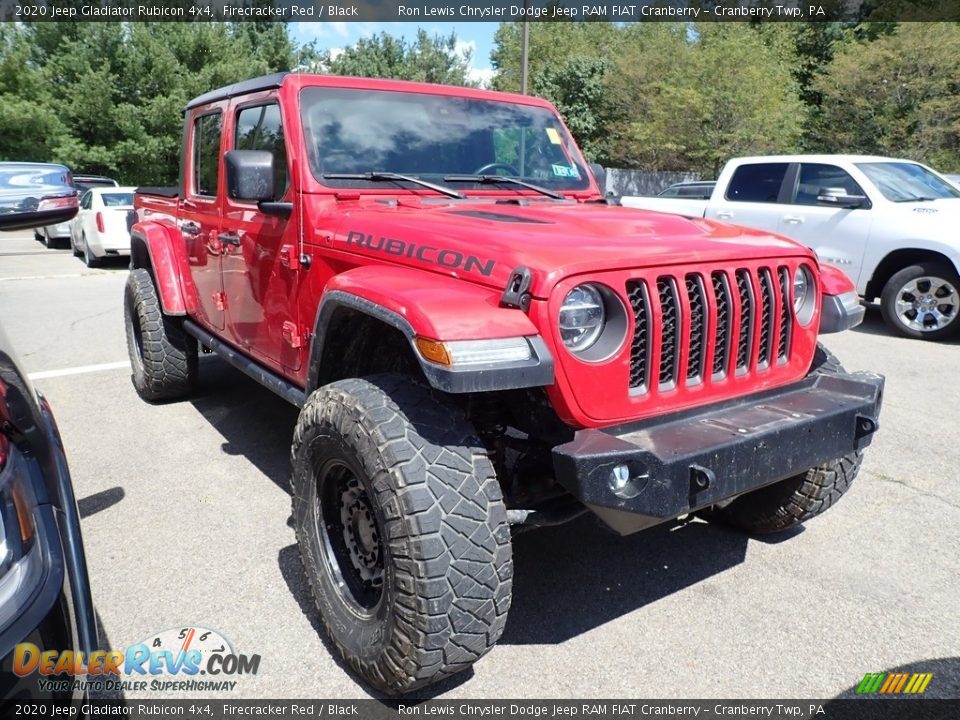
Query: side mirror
839, 197
250, 175
600, 175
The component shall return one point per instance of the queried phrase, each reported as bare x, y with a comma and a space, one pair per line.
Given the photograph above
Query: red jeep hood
554, 240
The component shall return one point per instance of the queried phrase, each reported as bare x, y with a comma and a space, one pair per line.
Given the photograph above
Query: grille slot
745, 340
746, 325
698, 326
640, 345
783, 341
721, 351
669, 330
766, 318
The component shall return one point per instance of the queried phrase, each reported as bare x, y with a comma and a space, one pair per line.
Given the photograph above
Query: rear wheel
923, 301
48, 240
163, 357
89, 258
402, 530
795, 500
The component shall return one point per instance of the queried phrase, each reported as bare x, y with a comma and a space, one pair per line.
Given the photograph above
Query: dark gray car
33, 194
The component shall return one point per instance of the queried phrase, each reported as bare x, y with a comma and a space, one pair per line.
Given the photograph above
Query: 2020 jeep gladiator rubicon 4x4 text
478, 340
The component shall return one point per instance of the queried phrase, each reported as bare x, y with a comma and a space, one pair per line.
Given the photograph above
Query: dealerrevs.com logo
187, 659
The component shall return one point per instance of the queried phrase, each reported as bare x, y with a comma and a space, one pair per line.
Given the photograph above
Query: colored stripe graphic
894, 683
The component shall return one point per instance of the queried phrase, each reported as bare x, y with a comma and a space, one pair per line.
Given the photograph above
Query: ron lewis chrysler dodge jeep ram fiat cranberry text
479, 342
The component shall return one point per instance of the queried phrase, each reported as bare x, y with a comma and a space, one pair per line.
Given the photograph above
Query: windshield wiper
497, 179
393, 177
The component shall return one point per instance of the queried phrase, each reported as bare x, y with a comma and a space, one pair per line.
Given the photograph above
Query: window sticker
566, 171
554, 136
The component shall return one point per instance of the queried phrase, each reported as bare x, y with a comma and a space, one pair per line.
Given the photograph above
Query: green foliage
108, 97
576, 88
896, 95
427, 59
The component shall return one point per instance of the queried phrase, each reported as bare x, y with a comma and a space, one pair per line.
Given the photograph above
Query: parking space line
79, 370
50, 277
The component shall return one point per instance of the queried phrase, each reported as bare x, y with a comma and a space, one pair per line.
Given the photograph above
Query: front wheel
923, 301
803, 496
402, 530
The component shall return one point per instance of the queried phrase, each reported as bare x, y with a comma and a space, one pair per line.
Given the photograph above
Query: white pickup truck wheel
923, 301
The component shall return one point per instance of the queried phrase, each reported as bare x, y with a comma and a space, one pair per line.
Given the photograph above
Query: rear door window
757, 182
206, 154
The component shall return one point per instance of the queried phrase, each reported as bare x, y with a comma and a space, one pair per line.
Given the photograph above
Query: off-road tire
888, 299
793, 501
163, 357
446, 553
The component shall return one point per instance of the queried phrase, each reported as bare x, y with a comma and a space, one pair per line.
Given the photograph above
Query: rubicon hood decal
444, 257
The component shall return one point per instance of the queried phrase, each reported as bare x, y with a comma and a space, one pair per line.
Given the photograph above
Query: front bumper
674, 465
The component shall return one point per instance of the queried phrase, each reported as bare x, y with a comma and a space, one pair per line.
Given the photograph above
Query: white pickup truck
892, 225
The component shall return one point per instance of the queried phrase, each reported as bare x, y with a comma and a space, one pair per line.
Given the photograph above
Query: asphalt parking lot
185, 517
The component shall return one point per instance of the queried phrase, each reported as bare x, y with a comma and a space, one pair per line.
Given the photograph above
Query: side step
270, 380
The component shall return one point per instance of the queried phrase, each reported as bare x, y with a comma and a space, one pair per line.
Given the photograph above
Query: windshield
905, 182
433, 137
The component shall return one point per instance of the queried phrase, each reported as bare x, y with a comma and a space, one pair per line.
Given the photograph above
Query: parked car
100, 228
698, 190
53, 235
44, 588
475, 346
889, 224
34, 193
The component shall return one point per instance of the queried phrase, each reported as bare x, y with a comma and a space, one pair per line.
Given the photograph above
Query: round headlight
801, 287
804, 298
581, 317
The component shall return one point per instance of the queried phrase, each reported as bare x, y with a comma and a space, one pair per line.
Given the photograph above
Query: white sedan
100, 228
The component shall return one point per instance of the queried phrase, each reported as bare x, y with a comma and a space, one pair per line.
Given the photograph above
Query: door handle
793, 219
724, 214
229, 239
190, 228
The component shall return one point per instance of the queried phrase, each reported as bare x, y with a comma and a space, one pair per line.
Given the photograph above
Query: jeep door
200, 208
261, 250
838, 235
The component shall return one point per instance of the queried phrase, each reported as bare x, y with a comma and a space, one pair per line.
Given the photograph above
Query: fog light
619, 477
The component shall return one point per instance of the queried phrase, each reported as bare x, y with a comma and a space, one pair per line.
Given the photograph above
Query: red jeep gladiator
479, 342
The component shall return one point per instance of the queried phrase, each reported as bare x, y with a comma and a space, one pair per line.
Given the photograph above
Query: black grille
783, 341
640, 346
766, 316
669, 329
746, 319
698, 317
763, 296
721, 350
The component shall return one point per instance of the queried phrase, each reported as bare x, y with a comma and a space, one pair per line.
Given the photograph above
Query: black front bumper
639, 475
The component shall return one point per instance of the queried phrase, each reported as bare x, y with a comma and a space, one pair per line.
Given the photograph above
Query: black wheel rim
350, 537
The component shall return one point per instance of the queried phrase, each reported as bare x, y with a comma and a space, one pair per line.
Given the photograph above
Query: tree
896, 95
435, 59
108, 97
674, 104
577, 90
